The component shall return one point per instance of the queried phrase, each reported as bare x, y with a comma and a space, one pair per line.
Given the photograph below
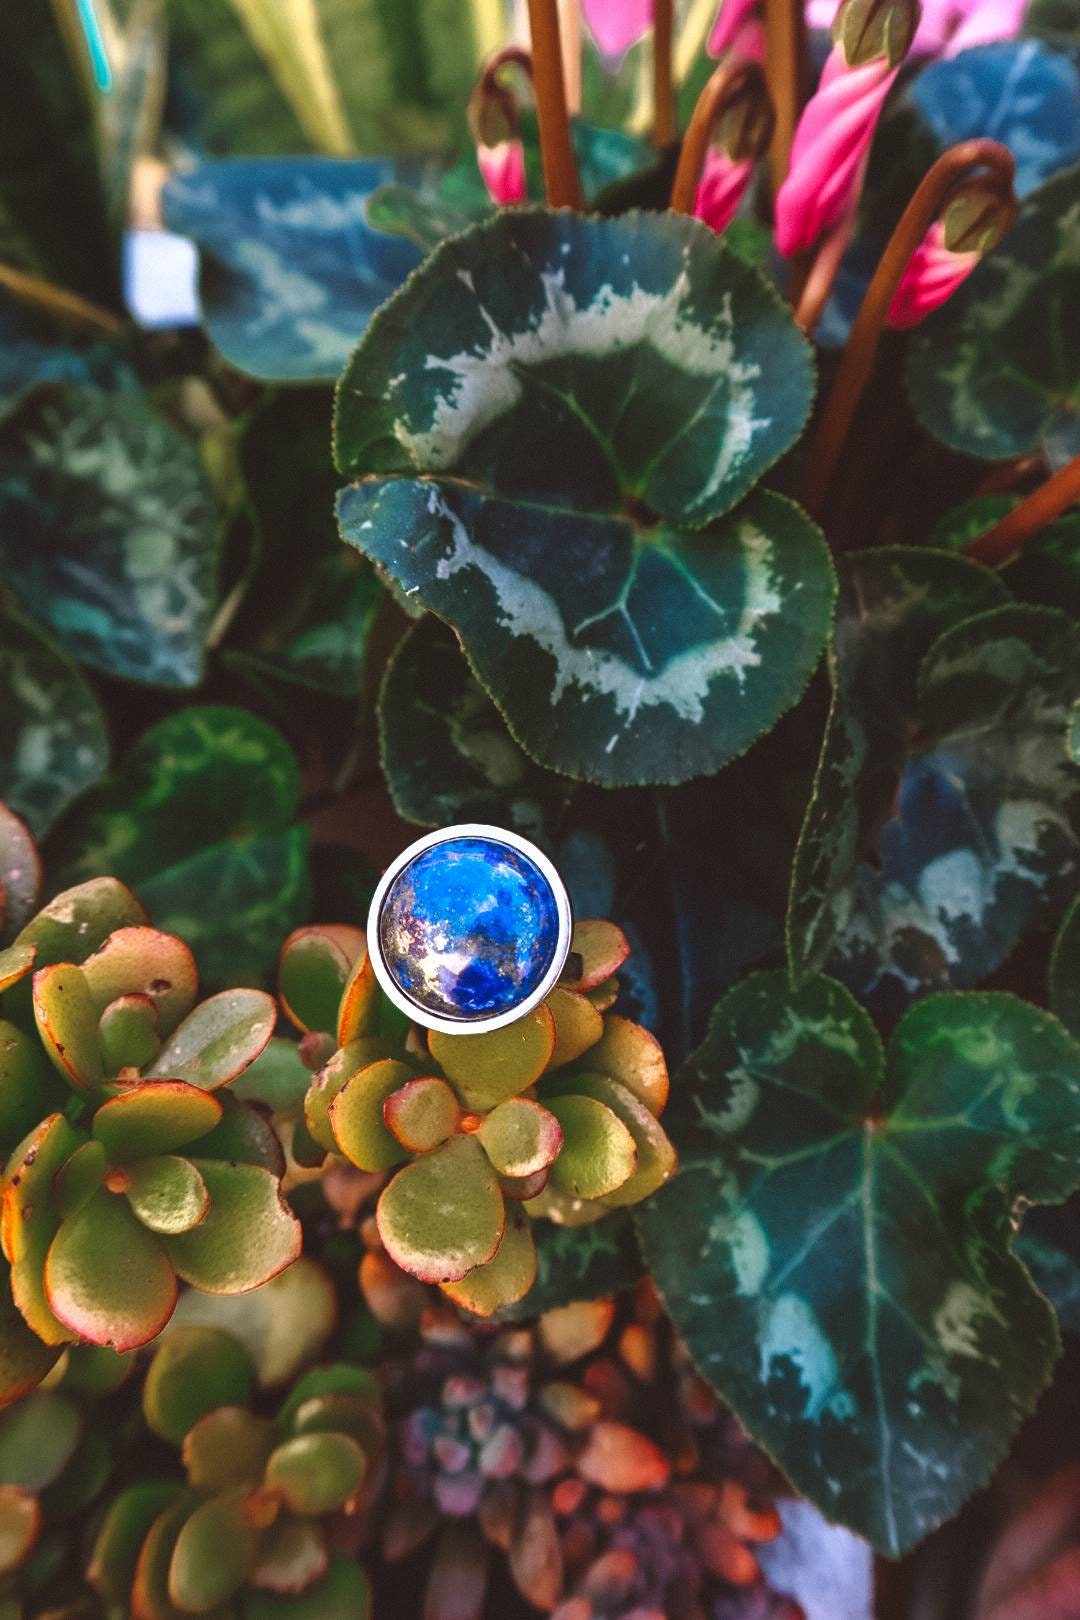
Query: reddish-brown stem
857, 362
510, 56
1010, 475
813, 295
785, 75
561, 180
57, 301
664, 129
730, 80
1039, 508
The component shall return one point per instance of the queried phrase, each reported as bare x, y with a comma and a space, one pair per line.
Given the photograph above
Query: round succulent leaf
992, 374
598, 949
77, 921
24, 1358
520, 1137
656, 1158
1065, 970
107, 1278
359, 1416
267, 227
213, 1553
357, 1120
278, 1078
598, 1154
20, 1526
894, 603
38, 1438
150, 1598
127, 1033
304, 1408
29, 1087
243, 1135
361, 1003
837, 1253
126, 1525
29, 1222
249, 1235
316, 1473
67, 1022
218, 1040
53, 741
78, 1179
20, 873
167, 1193
578, 1265
85, 1476
507, 1279
94, 1369
445, 751
342, 1594
486, 1069
443, 1215
227, 1446
16, 962
153, 1118
632, 1055
283, 1325
422, 1113
293, 1558
144, 962
313, 970
194, 1370
588, 394
578, 1025
347, 1061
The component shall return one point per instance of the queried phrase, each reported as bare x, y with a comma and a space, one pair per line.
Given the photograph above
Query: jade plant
555, 1116
260, 1513
126, 1170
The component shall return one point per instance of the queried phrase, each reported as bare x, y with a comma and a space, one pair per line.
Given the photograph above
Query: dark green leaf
249, 1235
107, 1278
108, 532
836, 1249
194, 1370
53, 744
994, 372
581, 1263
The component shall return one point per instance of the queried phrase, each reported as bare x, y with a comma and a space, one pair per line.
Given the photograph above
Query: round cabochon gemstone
469, 928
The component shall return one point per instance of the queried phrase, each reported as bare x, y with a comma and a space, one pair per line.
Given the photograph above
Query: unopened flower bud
977, 217
869, 30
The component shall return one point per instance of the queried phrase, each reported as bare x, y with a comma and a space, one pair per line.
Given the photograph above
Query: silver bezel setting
469, 1026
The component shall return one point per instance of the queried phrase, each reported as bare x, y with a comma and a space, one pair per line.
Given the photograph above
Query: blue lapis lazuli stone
469, 928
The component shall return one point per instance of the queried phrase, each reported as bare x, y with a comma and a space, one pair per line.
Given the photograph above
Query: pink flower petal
721, 188
932, 276
503, 169
730, 19
617, 24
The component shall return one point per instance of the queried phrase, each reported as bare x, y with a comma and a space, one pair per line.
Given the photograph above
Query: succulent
555, 1115
266, 1520
128, 1168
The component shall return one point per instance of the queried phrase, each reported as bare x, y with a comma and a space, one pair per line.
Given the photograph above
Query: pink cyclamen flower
617, 24
720, 189
730, 26
503, 169
827, 155
932, 276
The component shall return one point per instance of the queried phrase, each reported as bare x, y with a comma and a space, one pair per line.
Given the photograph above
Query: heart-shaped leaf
85, 473
157, 1118
486, 1069
198, 819
167, 1194
107, 1278
836, 1248
993, 373
194, 1371
249, 1235
213, 1553
554, 524
506, 1280
291, 270
53, 744
218, 1040
442, 1216
317, 1473
926, 849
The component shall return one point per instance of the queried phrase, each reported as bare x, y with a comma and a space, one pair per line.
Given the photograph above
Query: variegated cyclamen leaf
994, 372
572, 405
291, 271
836, 1249
53, 743
893, 603
108, 532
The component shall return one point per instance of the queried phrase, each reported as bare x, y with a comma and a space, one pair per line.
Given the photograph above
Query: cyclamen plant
704, 460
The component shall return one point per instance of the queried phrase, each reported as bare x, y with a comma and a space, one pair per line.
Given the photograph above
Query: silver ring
464, 1023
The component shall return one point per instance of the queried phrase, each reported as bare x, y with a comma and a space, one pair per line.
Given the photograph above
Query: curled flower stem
813, 295
561, 180
664, 129
58, 301
570, 24
730, 80
857, 362
785, 74
999, 544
